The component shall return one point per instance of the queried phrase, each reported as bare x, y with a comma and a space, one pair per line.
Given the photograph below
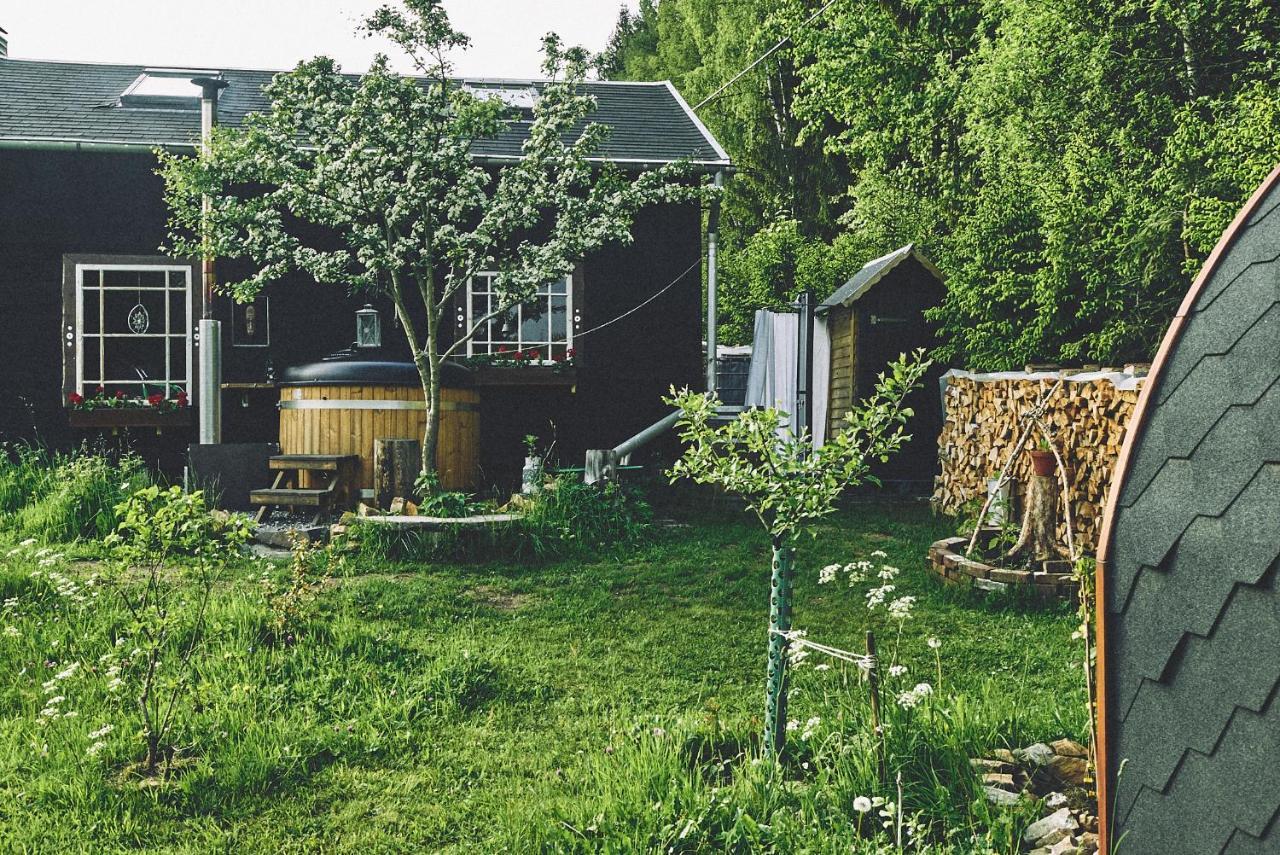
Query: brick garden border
948, 562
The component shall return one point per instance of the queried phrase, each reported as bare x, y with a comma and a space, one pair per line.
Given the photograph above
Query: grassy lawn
505, 708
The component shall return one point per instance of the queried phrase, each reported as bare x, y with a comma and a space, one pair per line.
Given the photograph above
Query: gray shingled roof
872, 272
70, 102
1192, 602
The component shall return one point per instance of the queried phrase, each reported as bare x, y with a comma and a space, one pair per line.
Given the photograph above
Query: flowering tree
384, 165
788, 484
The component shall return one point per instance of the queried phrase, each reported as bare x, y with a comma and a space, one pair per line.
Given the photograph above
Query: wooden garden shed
876, 315
1188, 605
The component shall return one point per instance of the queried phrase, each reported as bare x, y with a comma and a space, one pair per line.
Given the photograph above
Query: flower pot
531, 476
1044, 462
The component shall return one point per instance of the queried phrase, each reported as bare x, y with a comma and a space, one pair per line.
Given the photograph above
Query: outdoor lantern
368, 327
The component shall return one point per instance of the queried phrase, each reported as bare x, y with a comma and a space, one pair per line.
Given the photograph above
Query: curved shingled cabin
1189, 607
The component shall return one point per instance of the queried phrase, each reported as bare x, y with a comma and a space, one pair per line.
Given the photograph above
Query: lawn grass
500, 707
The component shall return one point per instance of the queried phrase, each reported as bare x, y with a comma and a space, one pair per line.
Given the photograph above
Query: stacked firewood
982, 423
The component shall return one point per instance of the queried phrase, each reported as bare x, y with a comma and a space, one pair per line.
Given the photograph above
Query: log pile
981, 424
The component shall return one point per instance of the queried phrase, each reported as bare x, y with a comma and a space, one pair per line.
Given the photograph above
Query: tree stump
396, 464
1039, 521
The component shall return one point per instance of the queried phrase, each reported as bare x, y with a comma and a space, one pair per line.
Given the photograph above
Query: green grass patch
562, 705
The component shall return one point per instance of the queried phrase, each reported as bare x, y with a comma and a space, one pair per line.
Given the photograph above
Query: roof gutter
116, 147
105, 147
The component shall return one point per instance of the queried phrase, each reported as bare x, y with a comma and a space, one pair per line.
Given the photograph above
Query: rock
397, 506
997, 796
1059, 819
1065, 846
1052, 838
1069, 770
1036, 755
1069, 748
363, 510
410, 509
1088, 843
996, 779
1055, 800
983, 764
1004, 755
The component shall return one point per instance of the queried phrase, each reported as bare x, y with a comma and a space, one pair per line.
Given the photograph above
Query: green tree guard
775, 704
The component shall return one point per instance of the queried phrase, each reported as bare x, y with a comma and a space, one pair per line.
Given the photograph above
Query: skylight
519, 97
166, 88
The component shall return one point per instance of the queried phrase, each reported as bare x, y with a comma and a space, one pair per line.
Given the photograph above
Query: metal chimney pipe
713, 320
209, 390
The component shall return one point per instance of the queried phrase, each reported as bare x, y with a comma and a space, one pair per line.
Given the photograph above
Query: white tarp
1120, 379
772, 379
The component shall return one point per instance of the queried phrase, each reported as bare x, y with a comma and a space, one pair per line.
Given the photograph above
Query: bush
571, 517
66, 497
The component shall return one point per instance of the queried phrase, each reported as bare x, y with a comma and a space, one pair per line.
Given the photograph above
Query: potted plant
531, 475
1043, 460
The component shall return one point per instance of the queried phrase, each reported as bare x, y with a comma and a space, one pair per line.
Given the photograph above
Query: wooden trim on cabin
1136, 429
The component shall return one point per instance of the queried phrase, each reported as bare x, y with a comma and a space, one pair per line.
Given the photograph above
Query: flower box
129, 417
525, 375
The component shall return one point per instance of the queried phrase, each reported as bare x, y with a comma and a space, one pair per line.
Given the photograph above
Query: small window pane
91, 365
90, 302
559, 318
135, 359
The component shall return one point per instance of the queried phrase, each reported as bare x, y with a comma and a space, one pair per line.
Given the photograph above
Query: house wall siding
55, 203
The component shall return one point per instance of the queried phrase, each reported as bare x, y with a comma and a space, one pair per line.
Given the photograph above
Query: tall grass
57, 497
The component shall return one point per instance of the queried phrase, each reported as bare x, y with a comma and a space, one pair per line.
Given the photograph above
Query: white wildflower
810, 727
862, 804
102, 731
897, 670
12, 631
934, 643
828, 573
68, 672
822, 666
94, 749
794, 724
900, 609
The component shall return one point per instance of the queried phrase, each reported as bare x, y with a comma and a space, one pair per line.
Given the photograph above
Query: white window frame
519, 343
183, 330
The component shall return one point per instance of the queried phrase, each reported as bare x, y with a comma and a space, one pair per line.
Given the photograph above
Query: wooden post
873, 687
396, 464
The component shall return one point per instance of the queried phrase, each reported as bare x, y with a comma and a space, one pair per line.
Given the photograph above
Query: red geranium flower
120, 394
156, 400
571, 353
181, 398
535, 354
557, 357
75, 399
502, 348
101, 389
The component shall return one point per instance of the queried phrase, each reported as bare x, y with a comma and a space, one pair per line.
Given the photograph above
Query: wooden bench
336, 474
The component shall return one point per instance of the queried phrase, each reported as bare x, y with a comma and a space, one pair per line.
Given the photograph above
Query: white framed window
131, 329
543, 325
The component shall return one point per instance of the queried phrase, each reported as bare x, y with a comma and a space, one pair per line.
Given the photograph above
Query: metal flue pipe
713, 239
209, 388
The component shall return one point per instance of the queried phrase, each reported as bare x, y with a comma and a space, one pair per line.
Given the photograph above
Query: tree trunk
775, 706
431, 393
1039, 520
396, 463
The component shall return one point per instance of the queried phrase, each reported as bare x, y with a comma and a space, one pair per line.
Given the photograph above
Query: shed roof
875, 270
50, 103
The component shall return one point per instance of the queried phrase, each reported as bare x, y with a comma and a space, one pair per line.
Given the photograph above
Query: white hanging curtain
771, 381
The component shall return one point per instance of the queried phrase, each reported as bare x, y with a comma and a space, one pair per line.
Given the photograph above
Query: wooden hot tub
341, 406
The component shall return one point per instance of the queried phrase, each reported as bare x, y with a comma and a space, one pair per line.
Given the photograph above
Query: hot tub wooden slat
315, 420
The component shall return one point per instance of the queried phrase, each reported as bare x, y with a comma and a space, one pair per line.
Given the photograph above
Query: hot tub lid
369, 368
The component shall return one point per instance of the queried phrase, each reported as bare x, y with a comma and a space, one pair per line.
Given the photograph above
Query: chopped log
396, 464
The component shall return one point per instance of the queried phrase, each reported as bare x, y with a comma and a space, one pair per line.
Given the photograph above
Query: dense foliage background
1068, 164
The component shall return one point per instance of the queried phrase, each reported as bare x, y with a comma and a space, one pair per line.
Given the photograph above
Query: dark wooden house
1188, 603
90, 301
871, 319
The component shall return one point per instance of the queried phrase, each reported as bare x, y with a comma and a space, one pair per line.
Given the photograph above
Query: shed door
1190, 562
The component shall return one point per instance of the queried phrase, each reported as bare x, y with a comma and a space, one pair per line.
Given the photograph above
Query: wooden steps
320, 481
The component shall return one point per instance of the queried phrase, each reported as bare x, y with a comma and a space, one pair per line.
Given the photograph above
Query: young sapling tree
372, 183
788, 484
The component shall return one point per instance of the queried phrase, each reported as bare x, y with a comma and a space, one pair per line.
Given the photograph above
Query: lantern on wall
368, 327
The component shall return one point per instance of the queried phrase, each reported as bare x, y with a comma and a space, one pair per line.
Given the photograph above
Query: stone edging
947, 560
